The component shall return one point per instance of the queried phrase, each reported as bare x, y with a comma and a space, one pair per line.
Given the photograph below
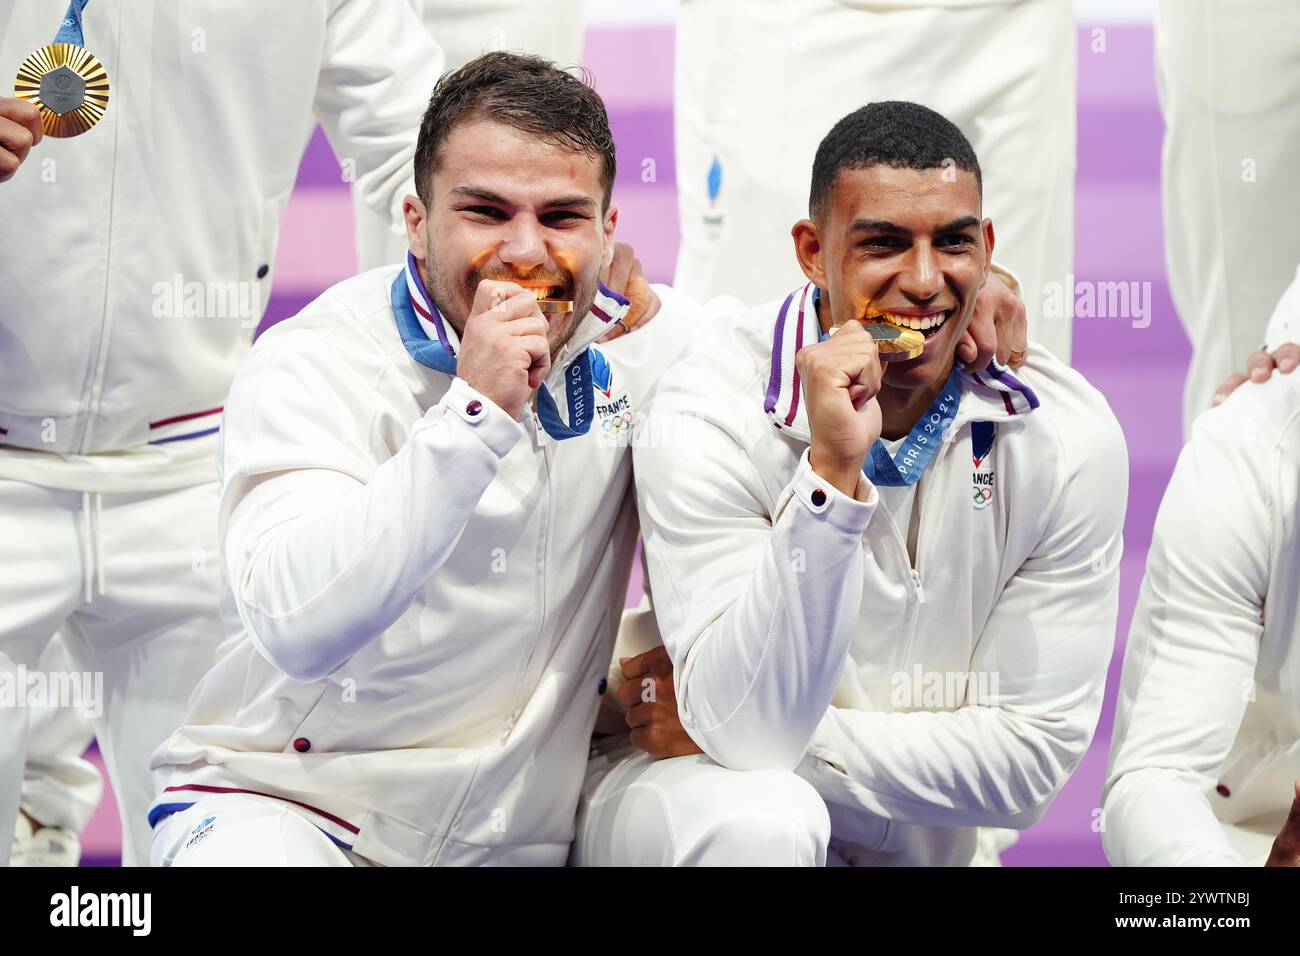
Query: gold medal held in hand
893, 341
67, 84
549, 306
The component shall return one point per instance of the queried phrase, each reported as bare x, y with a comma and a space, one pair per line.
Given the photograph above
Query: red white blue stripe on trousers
186, 427
336, 828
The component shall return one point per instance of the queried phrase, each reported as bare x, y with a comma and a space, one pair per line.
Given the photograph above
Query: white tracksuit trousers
131, 581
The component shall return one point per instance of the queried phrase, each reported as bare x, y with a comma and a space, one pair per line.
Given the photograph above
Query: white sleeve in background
1048, 644
378, 69
324, 557
757, 612
1192, 651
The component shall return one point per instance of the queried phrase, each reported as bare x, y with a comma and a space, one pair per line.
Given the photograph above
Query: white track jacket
136, 259
425, 591
1207, 733
923, 699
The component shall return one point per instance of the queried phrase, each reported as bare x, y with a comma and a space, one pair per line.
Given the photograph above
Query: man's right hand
650, 701
625, 276
841, 378
999, 327
503, 352
1286, 848
20, 130
1259, 366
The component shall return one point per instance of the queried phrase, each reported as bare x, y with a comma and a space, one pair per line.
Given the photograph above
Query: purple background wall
1118, 237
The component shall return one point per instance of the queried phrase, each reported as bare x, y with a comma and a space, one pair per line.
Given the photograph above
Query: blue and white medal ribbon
921, 444
70, 30
441, 356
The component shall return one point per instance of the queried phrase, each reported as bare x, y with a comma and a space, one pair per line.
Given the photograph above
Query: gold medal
549, 306
895, 342
67, 84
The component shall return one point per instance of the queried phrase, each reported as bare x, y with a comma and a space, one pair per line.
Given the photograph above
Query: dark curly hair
526, 92
890, 133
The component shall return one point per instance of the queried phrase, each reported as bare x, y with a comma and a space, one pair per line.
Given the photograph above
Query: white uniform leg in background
465, 29
42, 585
132, 583
154, 634
243, 831
1229, 79
760, 82
688, 811
60, 787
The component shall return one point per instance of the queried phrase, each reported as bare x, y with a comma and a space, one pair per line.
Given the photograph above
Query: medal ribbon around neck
64, 80
440, 356
921, 444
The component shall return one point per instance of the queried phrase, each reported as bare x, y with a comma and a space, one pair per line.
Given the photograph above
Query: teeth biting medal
892, 340
555, 305
550, 305
64, 80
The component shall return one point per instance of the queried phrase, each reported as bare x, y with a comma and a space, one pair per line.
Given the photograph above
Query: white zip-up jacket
923, 701
425, 592
1206, 746
135, 259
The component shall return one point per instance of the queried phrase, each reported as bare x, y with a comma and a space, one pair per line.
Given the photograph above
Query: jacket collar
992, 395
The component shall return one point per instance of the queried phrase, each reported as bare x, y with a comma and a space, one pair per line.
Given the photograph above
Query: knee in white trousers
689, 811
242, 831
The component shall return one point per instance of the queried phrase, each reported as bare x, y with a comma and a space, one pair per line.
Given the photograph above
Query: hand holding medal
64, 80
20, 130
504, 353
840, 379
894, 340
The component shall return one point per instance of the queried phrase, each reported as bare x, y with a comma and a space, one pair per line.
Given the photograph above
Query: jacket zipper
97, 370
918, 588
538, 443
918, 593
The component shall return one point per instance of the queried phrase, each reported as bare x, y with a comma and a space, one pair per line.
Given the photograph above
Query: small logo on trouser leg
201, 830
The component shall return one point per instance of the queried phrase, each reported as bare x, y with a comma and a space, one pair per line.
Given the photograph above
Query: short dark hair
892, 133
526, 92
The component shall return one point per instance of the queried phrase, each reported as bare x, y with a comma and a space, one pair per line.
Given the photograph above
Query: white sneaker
48, 846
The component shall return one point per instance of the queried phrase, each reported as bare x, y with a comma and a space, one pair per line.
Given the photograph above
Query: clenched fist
503, 352
841, 378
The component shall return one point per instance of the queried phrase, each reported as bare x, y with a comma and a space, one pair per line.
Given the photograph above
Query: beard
447, 289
